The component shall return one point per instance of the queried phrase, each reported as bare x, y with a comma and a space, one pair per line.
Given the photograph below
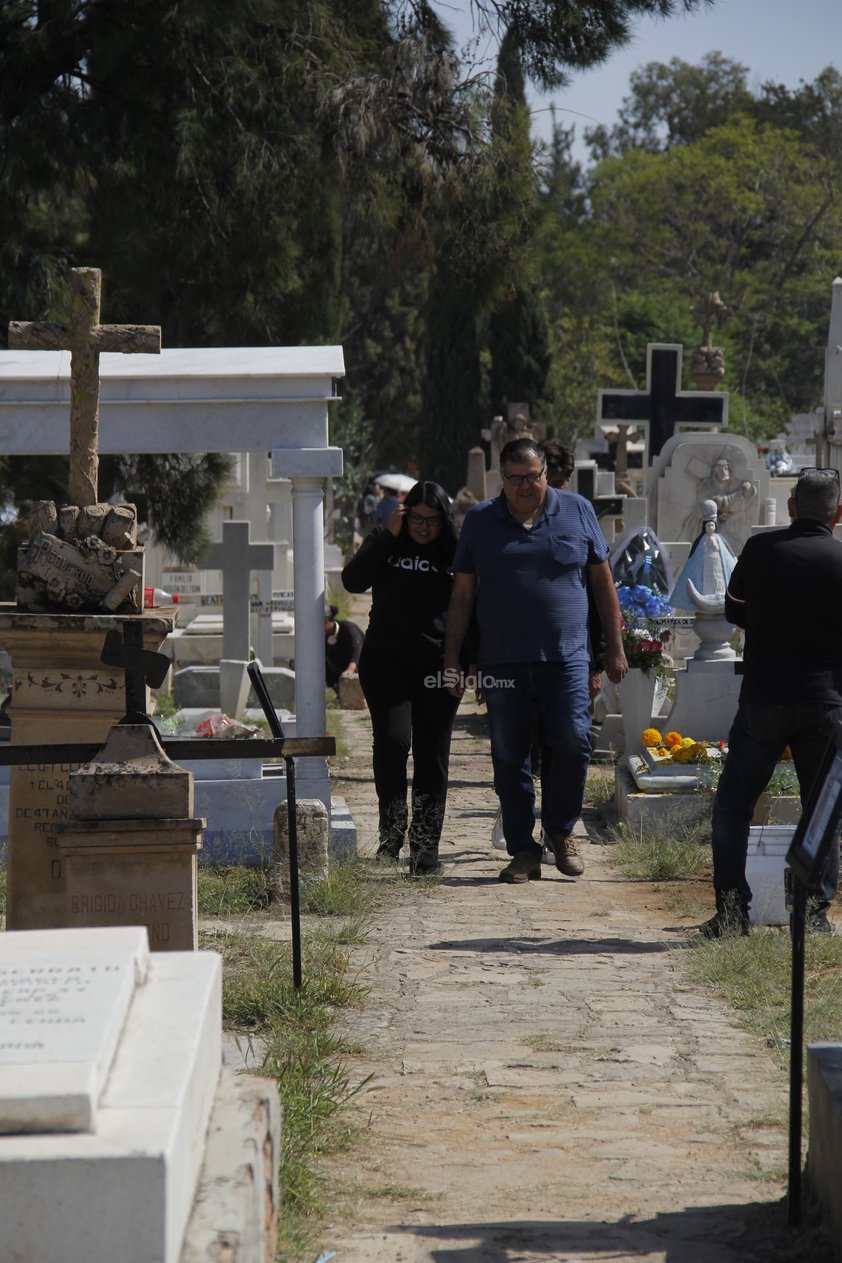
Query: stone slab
655, 809
237, 1202
824, 1160
126, 1191
124, 872
61, 1018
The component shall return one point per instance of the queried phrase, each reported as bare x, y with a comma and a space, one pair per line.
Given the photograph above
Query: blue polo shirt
532, 600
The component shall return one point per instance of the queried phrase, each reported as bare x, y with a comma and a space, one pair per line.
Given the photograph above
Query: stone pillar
308, 584
130, 844
60, 693
263, 619
476, 473
313, 845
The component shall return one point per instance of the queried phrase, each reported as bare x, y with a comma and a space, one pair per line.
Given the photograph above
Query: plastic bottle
157, 596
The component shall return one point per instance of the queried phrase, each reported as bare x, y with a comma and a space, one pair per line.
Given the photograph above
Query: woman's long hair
433, 496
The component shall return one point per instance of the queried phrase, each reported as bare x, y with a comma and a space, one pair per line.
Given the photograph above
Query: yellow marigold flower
687, 742
698, 750
682, 754
663, 752
650, 737
672, 739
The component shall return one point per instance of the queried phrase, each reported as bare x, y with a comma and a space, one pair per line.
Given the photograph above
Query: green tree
674, 104
750, 211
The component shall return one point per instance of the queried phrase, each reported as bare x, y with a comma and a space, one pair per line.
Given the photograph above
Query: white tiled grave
129, 1052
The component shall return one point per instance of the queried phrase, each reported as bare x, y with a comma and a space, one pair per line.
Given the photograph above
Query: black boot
424, 835
731, 919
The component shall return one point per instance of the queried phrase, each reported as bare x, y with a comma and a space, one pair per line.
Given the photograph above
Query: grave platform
122, 1186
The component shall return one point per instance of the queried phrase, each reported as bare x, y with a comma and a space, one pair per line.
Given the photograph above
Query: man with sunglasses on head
526, 558
786, 592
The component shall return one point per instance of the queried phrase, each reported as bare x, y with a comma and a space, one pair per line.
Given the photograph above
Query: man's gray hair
817, 496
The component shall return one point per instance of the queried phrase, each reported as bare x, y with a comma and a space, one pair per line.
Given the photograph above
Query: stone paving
542, 1081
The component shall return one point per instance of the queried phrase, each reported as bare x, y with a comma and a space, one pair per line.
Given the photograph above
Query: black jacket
786, 591
410, 589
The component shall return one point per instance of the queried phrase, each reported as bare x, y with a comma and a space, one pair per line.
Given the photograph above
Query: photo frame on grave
818, 828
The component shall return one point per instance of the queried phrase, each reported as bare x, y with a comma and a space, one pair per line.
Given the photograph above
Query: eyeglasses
812, 469
517, 480
431, 521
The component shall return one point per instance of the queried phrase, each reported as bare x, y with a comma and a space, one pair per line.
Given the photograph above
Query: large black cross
663, 404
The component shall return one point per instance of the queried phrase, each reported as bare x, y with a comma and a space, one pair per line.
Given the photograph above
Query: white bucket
765, 869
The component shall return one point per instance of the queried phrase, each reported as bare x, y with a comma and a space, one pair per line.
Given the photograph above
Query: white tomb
110, 1062
211, 399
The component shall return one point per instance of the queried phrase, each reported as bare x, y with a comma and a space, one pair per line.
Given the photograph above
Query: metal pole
796, 1041
256, 677
294, 907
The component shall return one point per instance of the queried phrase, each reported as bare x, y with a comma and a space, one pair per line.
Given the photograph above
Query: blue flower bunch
639, 603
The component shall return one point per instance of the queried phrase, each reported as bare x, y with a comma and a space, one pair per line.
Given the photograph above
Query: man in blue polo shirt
526, 558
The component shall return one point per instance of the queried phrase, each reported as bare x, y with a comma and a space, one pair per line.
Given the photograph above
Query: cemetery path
541, 1080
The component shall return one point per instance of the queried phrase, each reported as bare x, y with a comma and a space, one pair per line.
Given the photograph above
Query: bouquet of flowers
644, 635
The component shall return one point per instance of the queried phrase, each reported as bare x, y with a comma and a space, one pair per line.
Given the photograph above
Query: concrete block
280, 682
656, 810
196, 687
235, 1214
125, 1191
824, 1160
234, 686
343, 831
351, 693
313, 841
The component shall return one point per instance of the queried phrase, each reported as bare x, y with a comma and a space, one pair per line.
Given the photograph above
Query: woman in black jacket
406, 563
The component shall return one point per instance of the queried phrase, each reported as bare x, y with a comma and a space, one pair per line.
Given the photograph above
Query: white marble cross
237, 557
85, 338
833, 366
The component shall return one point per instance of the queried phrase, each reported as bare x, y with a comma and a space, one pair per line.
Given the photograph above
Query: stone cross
663, 404
833, 368
85, 338
237, 557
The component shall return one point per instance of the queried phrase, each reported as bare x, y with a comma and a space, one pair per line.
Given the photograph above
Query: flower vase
637, 703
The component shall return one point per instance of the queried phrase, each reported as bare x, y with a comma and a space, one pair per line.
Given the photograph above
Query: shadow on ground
700, 1234
560, 947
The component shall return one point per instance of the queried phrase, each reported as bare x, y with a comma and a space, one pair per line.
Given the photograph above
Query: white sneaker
498, 841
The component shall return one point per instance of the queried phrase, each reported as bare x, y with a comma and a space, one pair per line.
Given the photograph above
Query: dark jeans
559, 692
758, 737
406, 714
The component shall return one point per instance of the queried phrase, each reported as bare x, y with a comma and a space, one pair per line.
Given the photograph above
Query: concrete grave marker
61, 1020
124, 1188
236, 557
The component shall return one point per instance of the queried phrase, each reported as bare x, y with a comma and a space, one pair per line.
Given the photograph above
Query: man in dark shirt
343, 646
786, 591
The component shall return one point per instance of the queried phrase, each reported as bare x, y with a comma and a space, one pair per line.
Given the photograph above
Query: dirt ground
540, 1079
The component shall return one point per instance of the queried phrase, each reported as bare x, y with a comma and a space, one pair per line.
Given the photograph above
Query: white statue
704, 577
702, 584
